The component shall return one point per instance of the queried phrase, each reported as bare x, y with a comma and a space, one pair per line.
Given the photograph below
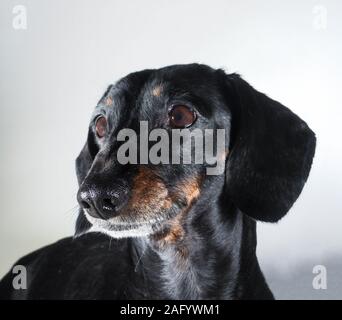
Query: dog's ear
83, 165
271, 152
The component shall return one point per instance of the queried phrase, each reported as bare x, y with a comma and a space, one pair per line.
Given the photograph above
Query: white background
53, 73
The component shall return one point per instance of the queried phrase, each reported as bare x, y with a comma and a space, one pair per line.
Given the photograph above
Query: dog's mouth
129, 226
152, 205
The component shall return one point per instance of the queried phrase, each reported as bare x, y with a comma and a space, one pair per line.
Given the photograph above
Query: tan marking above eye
157, 91
109, 101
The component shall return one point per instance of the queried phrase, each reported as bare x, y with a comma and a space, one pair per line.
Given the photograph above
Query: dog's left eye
101, 126
181, 116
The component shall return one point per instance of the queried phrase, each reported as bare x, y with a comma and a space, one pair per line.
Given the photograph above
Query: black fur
210, 251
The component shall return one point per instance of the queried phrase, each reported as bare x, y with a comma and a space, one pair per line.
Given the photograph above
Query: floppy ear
83, 164
270, 155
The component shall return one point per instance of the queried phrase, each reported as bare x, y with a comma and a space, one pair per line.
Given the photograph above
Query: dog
175, 232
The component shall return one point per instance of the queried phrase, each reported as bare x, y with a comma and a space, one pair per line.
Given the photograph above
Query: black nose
101, 204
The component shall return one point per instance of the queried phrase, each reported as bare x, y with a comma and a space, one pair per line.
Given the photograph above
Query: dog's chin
142, 230
121, 229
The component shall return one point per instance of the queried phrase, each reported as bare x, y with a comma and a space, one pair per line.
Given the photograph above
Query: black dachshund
175, 231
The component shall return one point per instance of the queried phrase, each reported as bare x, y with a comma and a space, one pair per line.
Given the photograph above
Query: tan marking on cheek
157, 91
191, 189
174, 233
149, 193
108, 101
171, 237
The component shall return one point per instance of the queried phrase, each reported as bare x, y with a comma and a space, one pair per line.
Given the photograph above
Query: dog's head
130, 179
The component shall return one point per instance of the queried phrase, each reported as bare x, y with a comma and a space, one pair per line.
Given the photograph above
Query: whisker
73, 210
110, 242
137, 264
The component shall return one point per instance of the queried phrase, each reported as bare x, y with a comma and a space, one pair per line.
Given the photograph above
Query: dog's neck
203, 255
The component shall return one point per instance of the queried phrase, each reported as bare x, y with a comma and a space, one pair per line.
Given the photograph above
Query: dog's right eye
181, 116
101, 126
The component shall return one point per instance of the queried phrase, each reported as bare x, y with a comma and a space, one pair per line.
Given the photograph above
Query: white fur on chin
103, 226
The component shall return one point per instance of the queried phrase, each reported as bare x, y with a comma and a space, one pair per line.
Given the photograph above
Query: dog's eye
101, 126
181, 116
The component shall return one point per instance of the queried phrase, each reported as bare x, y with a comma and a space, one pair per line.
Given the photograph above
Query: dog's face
131, 182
